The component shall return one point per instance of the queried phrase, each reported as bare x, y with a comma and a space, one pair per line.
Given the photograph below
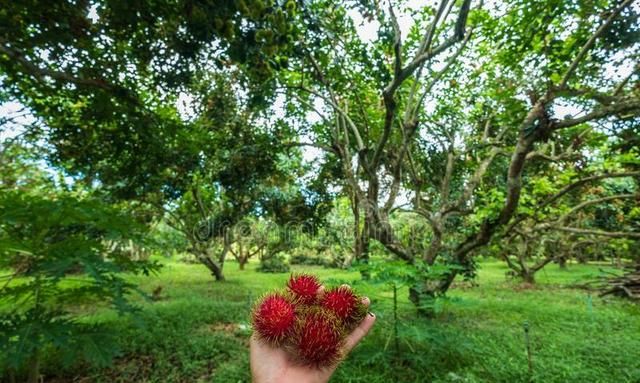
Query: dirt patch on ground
523, 286
240, 331
226, 327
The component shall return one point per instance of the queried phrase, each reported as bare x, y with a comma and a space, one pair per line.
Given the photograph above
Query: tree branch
582, 182
591, 41
40, 73
587, 203
625, 106
612, 234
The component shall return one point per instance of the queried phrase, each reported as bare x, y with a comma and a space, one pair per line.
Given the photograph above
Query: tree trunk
423, 295
562, 262
215, 268
242, 257
34, 369
528, 276
216, 271
362, 249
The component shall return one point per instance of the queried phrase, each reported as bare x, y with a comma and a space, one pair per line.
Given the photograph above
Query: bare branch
461, 23
473, 183
397, 42
333, 103
624, 82
441, 73
428, 37
448, 173
201, 208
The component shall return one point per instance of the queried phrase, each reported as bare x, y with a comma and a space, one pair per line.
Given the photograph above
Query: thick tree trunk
528, 276
213, 266
360, 236
241, 256
216, 270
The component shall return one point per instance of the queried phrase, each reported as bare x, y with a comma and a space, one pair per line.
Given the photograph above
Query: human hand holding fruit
301, 334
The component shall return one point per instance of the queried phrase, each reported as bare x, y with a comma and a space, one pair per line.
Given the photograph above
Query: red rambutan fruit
318, 338
345, 304
305, 287
274, 318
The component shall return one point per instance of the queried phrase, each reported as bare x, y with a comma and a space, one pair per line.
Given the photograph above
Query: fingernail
371, 314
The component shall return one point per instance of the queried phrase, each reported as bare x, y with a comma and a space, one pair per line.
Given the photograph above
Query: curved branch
584, 181
584, 204
624, 106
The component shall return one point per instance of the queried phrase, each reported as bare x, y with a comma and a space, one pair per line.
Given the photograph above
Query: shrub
274, 264
43, 243
305, 257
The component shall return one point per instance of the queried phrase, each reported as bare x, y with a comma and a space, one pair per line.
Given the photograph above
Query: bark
562, 262
423, 296
528, 276
213, 266
33, 375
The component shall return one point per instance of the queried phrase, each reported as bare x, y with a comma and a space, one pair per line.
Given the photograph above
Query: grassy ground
198, 332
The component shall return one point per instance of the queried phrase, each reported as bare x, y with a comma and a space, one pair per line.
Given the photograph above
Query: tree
576, 178
492, 79
249, 237
104, 100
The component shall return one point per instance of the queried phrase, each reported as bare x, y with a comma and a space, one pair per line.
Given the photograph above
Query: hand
273, 365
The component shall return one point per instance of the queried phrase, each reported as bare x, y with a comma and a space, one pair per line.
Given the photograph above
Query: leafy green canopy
102, 78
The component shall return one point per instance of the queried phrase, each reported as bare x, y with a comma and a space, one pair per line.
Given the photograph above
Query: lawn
198, 331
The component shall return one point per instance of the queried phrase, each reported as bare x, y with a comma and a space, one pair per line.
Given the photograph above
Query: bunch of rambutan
309, 325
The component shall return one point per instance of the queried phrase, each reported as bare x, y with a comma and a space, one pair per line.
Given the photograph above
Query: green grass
198, 331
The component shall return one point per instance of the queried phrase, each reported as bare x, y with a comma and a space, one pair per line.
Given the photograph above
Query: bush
274, 264
43, 242
332, 257
306, 257
337, 258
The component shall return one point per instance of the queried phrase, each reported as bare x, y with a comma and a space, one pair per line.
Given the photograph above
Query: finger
359, 332
365, 301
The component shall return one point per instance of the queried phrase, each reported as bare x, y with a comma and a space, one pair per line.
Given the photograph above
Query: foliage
450, 120
274, 264
200, 330
54, 254
166, 240
300, 256
404, 139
